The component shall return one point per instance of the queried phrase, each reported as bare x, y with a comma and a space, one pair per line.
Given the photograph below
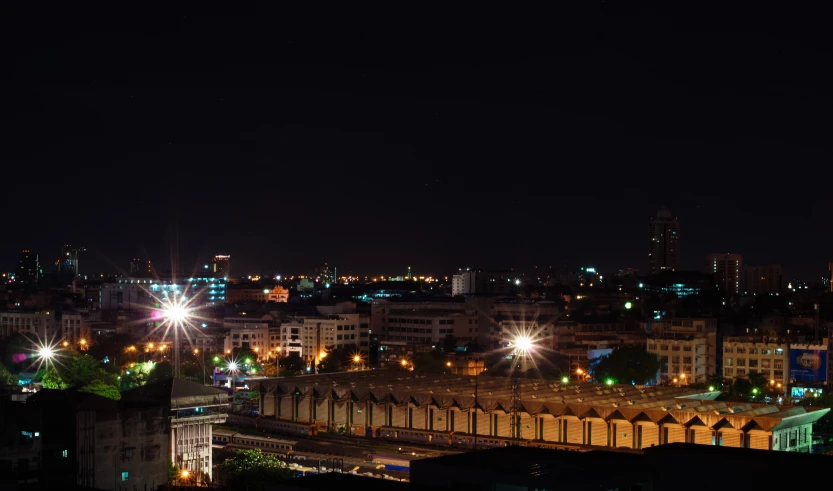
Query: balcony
213, 418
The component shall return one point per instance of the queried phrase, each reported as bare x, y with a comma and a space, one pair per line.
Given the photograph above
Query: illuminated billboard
808, 365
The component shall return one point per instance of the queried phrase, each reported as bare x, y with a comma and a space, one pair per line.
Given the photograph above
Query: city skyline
287, 148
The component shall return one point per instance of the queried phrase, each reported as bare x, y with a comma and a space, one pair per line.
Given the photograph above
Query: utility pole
474, 407
515, 423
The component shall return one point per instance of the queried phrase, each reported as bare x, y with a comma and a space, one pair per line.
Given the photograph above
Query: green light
216, 359
628, 305
711, 388
755, 390
564, 380
248, 361
609, 381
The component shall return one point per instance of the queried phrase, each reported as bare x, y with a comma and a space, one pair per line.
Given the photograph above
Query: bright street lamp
523, 344
175, 313
46, 353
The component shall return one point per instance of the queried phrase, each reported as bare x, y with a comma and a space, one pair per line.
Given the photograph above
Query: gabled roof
177, 393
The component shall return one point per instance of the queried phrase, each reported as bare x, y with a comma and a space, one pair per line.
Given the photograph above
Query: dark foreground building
89, 440
672, 467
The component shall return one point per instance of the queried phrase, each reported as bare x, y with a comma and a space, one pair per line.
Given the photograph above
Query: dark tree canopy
252, 469
625, 365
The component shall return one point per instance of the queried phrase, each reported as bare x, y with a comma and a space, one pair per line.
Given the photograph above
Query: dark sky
380, 139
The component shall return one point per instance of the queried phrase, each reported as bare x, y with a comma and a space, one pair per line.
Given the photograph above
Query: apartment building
310, 336
249, 333
683, 358
679, 333
743, 355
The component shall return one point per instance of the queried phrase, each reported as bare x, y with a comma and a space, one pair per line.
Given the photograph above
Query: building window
125, 475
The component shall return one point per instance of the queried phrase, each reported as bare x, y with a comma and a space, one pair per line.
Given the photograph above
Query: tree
103, 389
432, 362
160, 371
450, 343
716, 381
7, 377
16, 350
336, 360
51, 380
252, 469
82, 369
135, 376
291, 363
627, 364
173, 471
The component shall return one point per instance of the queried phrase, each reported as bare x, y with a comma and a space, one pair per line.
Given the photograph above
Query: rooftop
540, 396
178, 393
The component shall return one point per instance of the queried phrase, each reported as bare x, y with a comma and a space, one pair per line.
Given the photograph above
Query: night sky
376, 139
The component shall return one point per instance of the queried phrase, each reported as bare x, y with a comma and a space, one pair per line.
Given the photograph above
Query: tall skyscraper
28, 268
220, 266
727, 270
760, 280
664, 246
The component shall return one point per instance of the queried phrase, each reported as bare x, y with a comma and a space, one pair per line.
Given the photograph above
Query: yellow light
579, 371
322, 355
682, 375
185, 473
357, 358
66, 343
404, 363
150, 345
772, 382
196, 351
448, 363
257, 349
83, 341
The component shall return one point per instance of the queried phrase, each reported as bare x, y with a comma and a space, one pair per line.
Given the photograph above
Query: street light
46, 352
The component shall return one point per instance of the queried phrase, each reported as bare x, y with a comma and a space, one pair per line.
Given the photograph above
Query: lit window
124, 475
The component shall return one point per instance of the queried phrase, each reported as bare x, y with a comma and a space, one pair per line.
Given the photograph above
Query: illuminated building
139, 293
664, 242
252, 333
582, 414
743, 355
220, 266
463, 283
41, 324
311, 336
256, 293
69, 260
726, 269
687, 348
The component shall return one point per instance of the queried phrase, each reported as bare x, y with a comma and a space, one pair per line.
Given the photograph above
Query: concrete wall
111, 443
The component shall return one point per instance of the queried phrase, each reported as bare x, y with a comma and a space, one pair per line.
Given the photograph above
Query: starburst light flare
45, 354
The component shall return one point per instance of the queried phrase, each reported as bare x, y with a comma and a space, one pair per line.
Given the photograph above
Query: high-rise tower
220, 266
664, 246
28, 268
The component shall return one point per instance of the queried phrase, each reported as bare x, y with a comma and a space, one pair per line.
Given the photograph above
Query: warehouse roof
681, 405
